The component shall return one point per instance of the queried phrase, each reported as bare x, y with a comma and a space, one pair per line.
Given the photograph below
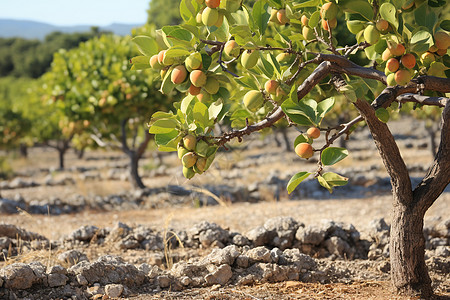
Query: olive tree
258, 65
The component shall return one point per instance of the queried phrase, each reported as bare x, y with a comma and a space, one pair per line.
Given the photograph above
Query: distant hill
38, 30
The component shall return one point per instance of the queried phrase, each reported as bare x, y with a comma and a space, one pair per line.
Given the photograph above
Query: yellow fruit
212, 85
390, 80
271, 86
304, 20
304, 150
230, 6
313, 132
329, 11
232, 48
179, 74
188, 172
281, 17
327, 24
355, 26
181, 151
201, 163
308, 33
193, 61
189, 159
280, 94
407, 5
402, 77
427, 58
249, 59
408, 61
210, 16
253, 100
392, 65
198, 78
285, 58
189, 142
371, 34
273, 16
219, 20
203, 96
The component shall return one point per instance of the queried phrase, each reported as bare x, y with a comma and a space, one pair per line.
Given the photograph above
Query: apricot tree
280, 60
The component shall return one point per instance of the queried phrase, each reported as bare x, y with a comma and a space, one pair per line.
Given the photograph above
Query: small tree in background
260, 64
94, 89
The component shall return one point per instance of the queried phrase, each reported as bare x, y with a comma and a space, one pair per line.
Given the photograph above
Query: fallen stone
84, 233
72, 257
260, 236
114, 290
226, 255
18, 276
220, 276
259, 254
310, 235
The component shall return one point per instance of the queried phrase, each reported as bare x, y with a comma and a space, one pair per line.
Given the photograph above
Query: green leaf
334, 179
162, 115
260, 15
201, 114
168, 142
389, 13
424, 16
324, 183
265, 66
146, 45
295, 113
314, 19
382, 114
324, 107
302, 138
187, 11
274, 63
421, 41
185, 103
167, 85
295, 181
177, 52
309, 3
445, 25
247, 81
360, 7
332, 155
215, 108
163, 126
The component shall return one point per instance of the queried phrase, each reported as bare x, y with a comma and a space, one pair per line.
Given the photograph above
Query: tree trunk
23, 149
432, 133
61, 152
135, 179
407, 251
287, 142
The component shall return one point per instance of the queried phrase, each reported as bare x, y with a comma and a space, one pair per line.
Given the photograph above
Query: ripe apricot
402, 77
304, 20
407, 5
386, 54
189, 159
179, 74
397, 49
194, 91
203, 96
304, 150
198, 78
280, 94
392, 65
313, 132
285, 58
281, 17
219, 20
249, 59
193, 61
271, 86
332, 24
181, 151
408, 61
329, 11
232, 48
273, 16
212, 3
201, 164
441, 52
189, 142
161, 56
382, 25
253, 100
154, 63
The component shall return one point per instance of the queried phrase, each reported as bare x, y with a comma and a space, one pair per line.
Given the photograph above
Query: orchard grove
255, 66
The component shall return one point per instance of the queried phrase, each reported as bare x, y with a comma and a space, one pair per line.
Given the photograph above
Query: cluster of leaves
279, 45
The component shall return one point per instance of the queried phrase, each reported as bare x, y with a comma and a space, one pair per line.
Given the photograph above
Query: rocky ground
234, 233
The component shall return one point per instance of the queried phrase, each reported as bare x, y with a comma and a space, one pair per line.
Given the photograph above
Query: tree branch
104, 144
389, 152
425, 100
438, 175
125, 147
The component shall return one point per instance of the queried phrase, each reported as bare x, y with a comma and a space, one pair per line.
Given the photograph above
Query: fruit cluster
196, 156
304, 148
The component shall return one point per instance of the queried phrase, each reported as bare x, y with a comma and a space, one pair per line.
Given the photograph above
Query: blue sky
76, 12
